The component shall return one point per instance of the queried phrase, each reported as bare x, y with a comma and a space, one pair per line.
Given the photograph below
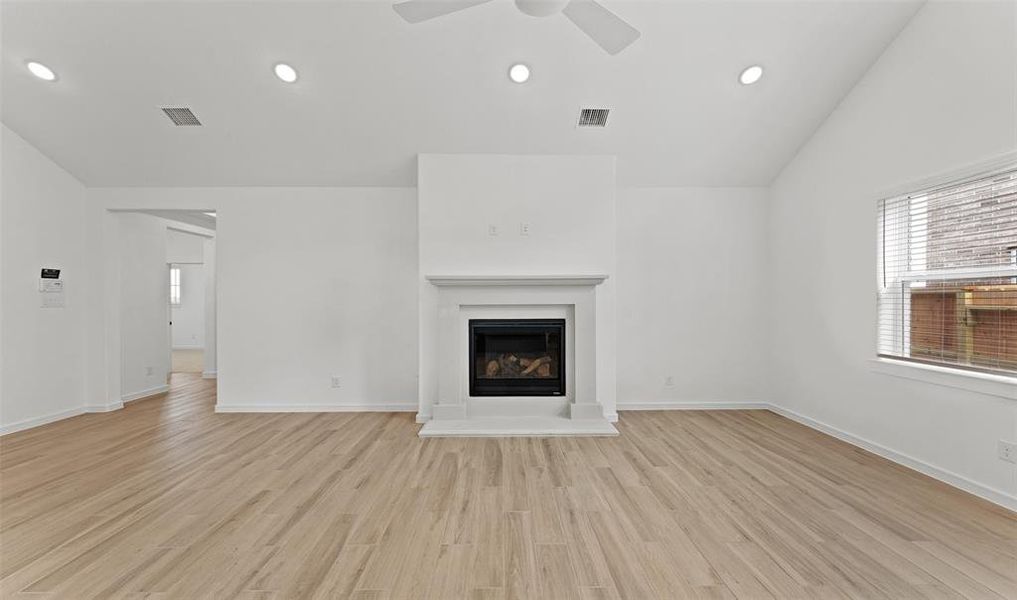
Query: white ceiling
374, 91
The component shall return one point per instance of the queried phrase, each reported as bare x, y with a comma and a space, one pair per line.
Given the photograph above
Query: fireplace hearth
517, 357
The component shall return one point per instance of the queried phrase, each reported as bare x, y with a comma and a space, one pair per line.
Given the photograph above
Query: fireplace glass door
517, 357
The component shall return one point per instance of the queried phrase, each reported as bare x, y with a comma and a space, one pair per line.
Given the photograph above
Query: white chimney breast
565, 270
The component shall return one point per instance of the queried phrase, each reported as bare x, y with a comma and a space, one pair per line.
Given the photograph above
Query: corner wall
42, 357
941, 97
691, 298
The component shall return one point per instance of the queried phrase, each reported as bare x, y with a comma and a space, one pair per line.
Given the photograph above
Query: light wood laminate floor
166, 499
188, 361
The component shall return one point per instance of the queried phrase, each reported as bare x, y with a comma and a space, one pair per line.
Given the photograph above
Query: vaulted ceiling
374, 90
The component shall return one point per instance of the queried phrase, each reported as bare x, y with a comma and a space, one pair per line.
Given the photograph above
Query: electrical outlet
149, 371
1007, 451
524, 229
492, 230
337, 381
669, 381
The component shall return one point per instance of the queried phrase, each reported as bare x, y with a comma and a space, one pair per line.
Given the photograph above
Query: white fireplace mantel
508, 280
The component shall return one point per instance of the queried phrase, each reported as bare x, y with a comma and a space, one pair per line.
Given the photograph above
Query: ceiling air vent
181, 116
593, 117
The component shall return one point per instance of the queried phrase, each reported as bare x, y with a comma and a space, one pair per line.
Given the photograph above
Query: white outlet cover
492, 230
337, 381
1007, 451
524, 229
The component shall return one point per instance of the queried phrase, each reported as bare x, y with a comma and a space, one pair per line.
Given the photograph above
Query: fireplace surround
449, 306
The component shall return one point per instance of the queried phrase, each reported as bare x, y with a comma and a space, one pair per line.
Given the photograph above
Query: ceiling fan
603, 26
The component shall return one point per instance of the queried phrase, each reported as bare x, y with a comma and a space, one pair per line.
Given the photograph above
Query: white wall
188, 318
662, 235
567, 200
569, 204
316, 283
42, 352
368, 237
184, 247
144, 305
312, 282
941, 97
691, 296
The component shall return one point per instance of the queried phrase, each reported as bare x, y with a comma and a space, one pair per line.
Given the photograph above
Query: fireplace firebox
517, 357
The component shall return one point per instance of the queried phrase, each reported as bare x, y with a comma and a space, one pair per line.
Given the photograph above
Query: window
948, 275
174, 285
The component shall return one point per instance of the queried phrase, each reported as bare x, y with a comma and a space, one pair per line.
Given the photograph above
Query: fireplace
470, 321
517, 357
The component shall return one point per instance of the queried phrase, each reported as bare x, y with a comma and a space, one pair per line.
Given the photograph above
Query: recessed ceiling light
751, 75
519, 73
285, 72
41, 71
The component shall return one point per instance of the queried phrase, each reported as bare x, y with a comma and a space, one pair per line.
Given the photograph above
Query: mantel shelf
518, 280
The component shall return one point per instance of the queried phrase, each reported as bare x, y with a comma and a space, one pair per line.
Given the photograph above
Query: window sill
973, 381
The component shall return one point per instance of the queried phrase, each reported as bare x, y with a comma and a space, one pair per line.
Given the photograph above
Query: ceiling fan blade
603, 26
416, 11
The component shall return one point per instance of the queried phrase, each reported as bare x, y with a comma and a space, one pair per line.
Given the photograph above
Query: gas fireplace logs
510, 365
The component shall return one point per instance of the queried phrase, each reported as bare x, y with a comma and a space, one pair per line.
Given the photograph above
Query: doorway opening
187, 314
165, 265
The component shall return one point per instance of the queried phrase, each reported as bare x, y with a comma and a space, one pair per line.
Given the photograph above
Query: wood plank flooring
166, 499
188, 361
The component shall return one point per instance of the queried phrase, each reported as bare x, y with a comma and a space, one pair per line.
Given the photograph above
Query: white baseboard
152, 391
685, 405
38, 421
314, 408
209, 374
993, 495
101, 408
188, 347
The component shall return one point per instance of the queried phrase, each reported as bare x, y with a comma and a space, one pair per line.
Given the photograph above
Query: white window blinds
948, 274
